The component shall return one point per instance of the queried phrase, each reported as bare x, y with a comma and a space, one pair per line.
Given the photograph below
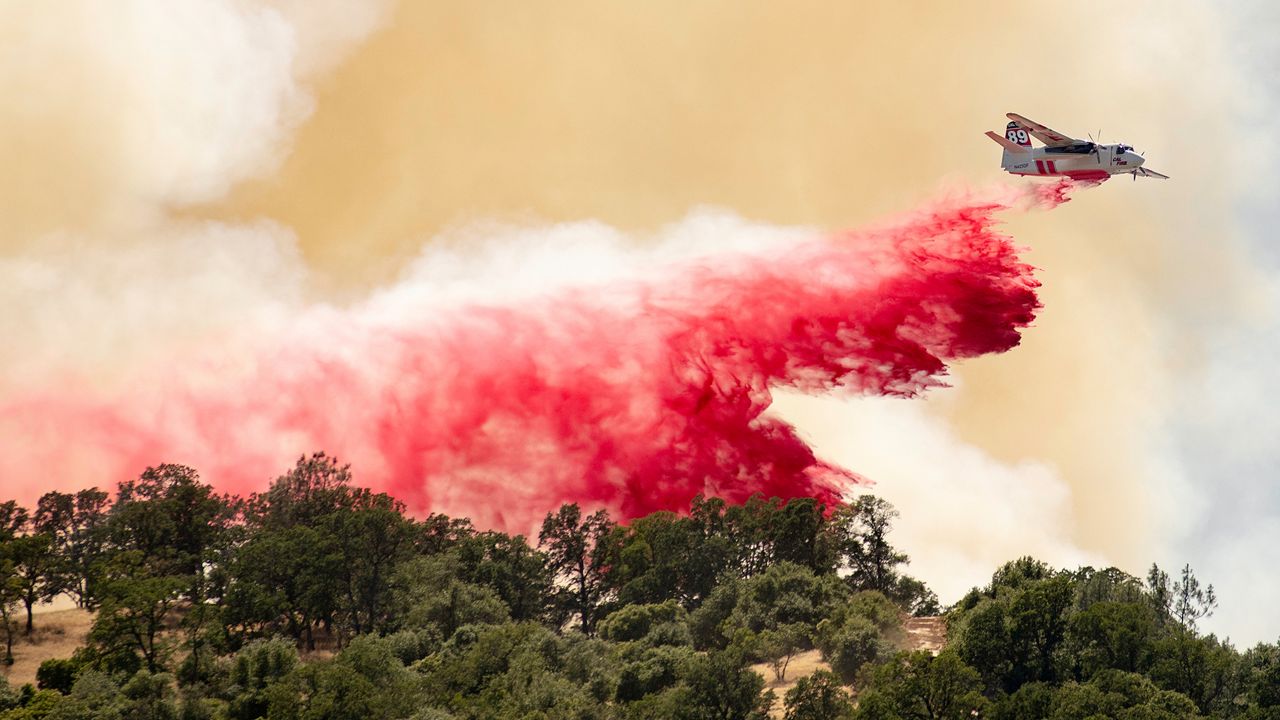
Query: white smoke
963, 512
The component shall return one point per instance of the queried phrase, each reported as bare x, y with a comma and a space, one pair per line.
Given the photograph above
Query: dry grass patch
57, 635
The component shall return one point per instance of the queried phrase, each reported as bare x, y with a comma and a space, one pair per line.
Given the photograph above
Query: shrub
57, 674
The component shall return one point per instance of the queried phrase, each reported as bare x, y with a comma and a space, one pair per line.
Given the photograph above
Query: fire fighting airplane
1064, 156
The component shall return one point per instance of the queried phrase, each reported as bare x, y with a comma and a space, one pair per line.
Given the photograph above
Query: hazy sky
173, 169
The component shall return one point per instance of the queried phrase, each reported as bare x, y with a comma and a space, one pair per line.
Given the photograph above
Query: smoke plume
634, 394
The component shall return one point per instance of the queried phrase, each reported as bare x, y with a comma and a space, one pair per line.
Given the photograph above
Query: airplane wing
1143, 172
1051, 138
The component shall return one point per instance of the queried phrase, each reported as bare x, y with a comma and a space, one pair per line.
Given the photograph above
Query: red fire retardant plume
636, 400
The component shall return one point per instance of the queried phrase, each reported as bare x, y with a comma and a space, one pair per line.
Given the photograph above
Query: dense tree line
1044, 643
205, 605
320, 599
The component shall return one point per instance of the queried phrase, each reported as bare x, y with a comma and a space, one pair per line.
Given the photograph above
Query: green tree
722, 687
852, 645
1203, 669
1116, 694
315, 487
634, 622
254, 670
150, 696
57, 674
1260, 676
573, 546
982, 641
1037, 627
1013, 629
819, 696
864, 543
135, 607
55, 517
35, 567
371, 537
430, 595
173, 522
1191, 602
284, 580
1108, 634
649, 561
919, 685
88, 546
508, 566
779, 645
364, 681
10, 597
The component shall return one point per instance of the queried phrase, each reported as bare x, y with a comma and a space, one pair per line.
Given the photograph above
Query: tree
799, 536
649, 561
819, 696
1012, 630
1202, 668
55, 518
254, 669
13, 518
852, 645
371, 536
57, 674
1110, 635
1160, 592
1190, 601
721, 687
919, 685
633, 622
1037, 627
10, 596
864, 543
316, 486
284, 578
35, 567
571, 544
429, 594
307, 530
777, 646
88, 545
173, 521
136, 603
983, 642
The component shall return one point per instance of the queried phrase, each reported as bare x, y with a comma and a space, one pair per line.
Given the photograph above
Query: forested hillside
320, 599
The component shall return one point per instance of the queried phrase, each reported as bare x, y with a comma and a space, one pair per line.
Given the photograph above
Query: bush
633, 622
57, 674
819, 697
257, 667
410, 646
8, 698
855, 644
655, 670
877, 608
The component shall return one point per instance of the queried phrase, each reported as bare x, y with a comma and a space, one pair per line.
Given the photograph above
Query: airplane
1064, 156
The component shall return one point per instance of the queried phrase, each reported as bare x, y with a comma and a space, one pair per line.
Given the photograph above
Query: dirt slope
921, 633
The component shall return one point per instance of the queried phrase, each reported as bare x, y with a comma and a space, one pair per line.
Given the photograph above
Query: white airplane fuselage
1090, 161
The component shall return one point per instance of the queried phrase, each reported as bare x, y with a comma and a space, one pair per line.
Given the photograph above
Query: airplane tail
1017, 135
1016, 143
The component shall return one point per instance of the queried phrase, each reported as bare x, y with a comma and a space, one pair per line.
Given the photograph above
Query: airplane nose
1137, 159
